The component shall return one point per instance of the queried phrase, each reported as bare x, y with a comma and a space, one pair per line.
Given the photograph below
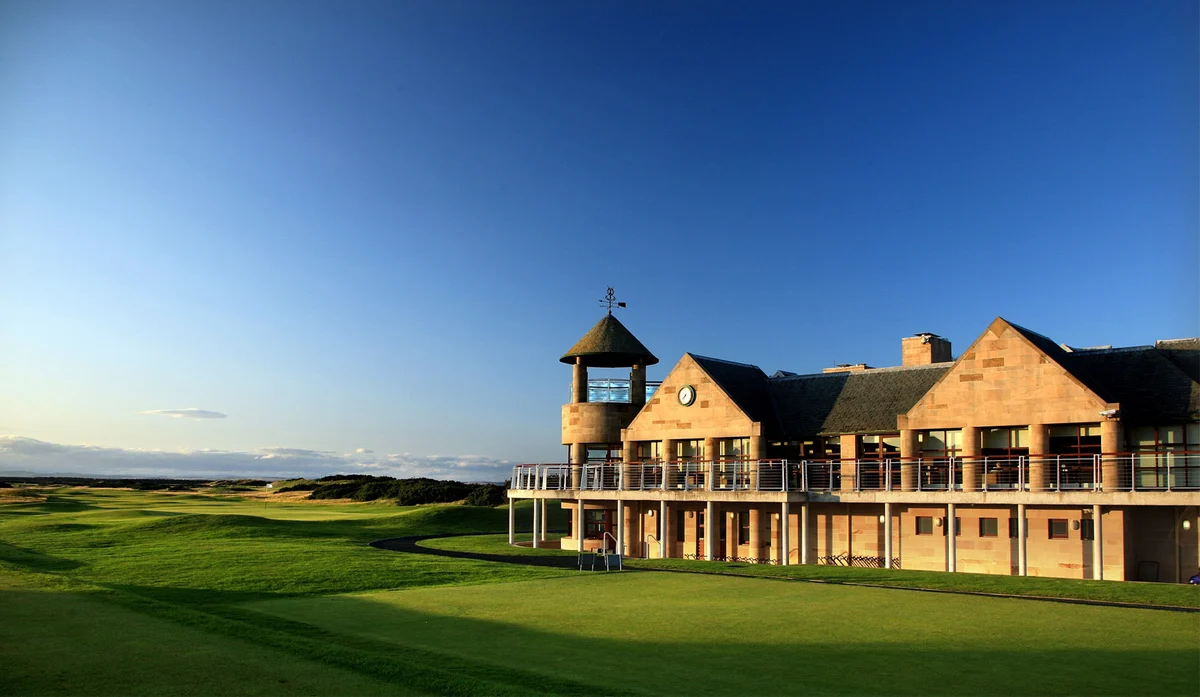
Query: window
689, 450
700, 525
733, 449
680, 525
1058, 528
604, 452
957, 527
649, 451
597, 524
989, 527
744, 527
873, 452
1087, 529
1075, 439
924, 525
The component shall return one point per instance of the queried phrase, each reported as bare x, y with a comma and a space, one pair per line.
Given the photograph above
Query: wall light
1074, 524
651, 512
937, 522
883, 519
1187, 525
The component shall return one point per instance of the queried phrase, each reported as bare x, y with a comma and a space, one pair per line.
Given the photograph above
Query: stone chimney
923, 349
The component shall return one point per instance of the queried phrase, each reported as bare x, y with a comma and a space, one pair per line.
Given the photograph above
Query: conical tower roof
609, 345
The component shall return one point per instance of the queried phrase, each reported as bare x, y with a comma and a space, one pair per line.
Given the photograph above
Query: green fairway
121, 592
675, 634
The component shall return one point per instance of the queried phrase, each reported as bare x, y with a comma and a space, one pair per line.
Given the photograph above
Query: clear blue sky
378, 224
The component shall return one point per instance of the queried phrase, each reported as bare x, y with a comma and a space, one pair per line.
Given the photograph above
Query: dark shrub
489, 495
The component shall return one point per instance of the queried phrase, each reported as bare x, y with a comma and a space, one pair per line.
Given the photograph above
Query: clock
687, 395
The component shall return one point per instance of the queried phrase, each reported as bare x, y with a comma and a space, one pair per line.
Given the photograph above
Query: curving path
409, 544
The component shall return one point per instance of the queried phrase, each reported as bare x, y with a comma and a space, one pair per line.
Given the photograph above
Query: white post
710, 532
804, 533
951, 538
887, 535
537, 519
1022, 569
785, 544
1097, 544
543, 528
620, 543
662, 529
512, 519
582, 526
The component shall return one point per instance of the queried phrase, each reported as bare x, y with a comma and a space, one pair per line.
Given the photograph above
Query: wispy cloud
31, 455
189, 413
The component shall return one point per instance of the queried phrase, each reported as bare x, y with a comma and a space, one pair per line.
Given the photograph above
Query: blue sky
376, 226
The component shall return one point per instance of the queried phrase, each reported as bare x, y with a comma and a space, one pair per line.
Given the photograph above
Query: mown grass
1158, 594
118, 592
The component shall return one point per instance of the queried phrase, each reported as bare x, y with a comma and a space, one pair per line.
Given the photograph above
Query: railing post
1058, 473
1021, 464
1169, 471
985, 473
920, 466
1132, 472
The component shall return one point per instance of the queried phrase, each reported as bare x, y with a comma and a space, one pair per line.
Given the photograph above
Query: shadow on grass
411, 545
672, 662
34, 561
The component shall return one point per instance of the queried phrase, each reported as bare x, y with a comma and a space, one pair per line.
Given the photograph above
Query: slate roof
861, 402
1153, 385
609, 344
746, 385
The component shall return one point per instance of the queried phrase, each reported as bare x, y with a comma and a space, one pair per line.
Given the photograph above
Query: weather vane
610, 300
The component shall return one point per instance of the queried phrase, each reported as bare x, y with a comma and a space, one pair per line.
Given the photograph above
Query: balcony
1132, 472
615, 390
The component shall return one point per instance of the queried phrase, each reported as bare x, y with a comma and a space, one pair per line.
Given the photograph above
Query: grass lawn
121, 592
684, 634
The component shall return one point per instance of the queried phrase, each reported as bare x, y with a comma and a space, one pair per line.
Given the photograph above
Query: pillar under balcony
1039, 445
755, 533
1110, 445
849, 461
908, 463
970, 458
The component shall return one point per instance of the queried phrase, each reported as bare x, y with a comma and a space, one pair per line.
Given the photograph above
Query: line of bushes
406, 492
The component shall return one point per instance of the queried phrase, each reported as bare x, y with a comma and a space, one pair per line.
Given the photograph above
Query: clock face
687, 395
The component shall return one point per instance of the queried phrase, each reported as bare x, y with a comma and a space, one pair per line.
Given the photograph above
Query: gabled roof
861, 402
1152, 385
609, 345
745, 384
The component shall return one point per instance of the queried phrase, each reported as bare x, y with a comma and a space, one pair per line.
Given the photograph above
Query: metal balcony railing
1147, 471
616, 390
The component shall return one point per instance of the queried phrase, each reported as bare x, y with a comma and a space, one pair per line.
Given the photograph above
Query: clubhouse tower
1020, 456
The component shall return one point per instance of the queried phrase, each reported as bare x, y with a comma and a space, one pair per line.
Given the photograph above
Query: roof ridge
722, 360
869, 371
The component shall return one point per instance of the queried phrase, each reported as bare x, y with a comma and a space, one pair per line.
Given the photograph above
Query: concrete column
1039, 444
710, 531
637, 385
785, 545
1110, 444
619, 544
668, 455
755, 532
579, 381
970, 455
804, 533
537, 522
630, 540
951, 538
543, 528
908, 465
664, 530
710, 455
775, 544
631, 476
1022, 567
512, 519
581, 525
758, 452
887, 535
578, 460
731, 534
1097, 543
849, 454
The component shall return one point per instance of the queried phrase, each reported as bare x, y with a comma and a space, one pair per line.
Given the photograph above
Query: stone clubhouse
1021, 456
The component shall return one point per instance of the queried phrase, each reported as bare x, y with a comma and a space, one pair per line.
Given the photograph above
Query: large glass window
733, 449
603, 452
649, 451
874, 452
1156, 447
1075, 439
597, 523
936, 448
1002, 450
689, 450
